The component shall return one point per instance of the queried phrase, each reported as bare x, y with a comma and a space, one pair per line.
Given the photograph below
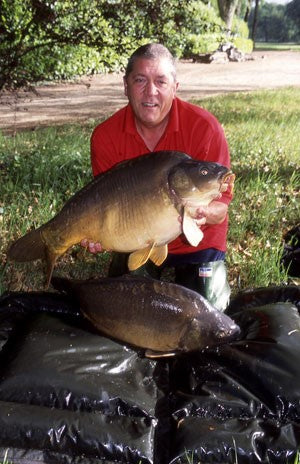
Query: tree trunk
248, 9
255, 18
227, 9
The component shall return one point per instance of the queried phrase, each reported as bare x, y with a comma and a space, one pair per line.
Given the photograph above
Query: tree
247, 11
292, 13
227, 10
276, 23
31, 30
42, 39
255, 19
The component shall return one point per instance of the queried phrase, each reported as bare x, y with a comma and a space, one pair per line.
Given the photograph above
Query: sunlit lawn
277, 46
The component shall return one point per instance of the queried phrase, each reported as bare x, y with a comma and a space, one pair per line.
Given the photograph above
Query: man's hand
91, 246
214, 213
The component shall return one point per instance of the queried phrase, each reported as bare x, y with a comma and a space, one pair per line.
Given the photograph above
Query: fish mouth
227, 182
232, 334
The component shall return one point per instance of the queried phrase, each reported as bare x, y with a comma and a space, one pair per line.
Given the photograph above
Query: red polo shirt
190, 129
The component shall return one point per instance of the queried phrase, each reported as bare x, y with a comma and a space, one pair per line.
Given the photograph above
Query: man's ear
125, 85
176, 88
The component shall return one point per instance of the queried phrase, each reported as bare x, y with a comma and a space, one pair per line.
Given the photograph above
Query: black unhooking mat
69, 395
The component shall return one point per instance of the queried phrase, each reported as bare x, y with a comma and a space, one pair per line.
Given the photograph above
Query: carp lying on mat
134, 207
161, 317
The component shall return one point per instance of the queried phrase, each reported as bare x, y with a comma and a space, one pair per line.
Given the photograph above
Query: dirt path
99, 96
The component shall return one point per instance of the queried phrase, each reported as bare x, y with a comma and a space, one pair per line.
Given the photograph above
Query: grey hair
151, 51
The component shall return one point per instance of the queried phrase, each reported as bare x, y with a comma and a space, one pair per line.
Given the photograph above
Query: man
155, 119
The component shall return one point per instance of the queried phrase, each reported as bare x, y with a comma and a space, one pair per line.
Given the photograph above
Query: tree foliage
34, 34
293, 11
277, 23
55, 39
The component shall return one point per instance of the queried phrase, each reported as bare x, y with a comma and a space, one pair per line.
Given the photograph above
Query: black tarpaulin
242, 401
69, 395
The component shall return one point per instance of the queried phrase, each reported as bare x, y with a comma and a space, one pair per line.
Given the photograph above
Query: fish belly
138, 329
135, 224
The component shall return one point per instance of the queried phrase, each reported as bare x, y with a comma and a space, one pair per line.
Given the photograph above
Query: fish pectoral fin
193, 234
159, 254
139, 257
158, 354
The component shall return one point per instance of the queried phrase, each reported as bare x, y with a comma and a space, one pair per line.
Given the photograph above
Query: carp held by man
134, 207
161, 317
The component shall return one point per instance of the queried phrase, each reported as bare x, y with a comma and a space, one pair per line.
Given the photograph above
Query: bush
62, 39
244, 45
240, 28
204, 43
206, 30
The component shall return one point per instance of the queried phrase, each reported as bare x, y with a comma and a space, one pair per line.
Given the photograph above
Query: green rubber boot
213, 283
208, 279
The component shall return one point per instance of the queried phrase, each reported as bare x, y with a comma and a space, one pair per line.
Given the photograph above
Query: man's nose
151, 88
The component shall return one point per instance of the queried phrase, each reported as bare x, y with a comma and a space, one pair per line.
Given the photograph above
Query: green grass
263, 132
5, 460
40, 170
277, 46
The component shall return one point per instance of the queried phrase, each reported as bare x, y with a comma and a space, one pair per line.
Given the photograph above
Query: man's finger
95, 247
200, 221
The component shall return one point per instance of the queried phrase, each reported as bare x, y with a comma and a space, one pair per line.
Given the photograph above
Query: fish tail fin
31, 247
27, 248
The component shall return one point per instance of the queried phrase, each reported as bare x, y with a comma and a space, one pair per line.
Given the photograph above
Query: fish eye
204, 172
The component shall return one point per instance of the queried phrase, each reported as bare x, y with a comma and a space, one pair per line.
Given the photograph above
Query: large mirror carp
161, 318
134, 207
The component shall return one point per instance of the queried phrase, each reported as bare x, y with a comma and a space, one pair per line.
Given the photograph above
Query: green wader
208, 279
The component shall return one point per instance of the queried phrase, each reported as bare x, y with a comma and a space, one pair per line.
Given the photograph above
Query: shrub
204, 43
244, 45
240, 28
62, 39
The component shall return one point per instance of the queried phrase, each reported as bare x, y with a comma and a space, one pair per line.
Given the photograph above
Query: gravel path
99, 96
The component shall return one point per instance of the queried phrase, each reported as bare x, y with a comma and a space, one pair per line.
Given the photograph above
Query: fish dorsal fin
159, 354
193, 234
139, 257
159, 254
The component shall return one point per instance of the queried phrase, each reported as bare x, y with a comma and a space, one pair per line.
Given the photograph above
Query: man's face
150, 89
